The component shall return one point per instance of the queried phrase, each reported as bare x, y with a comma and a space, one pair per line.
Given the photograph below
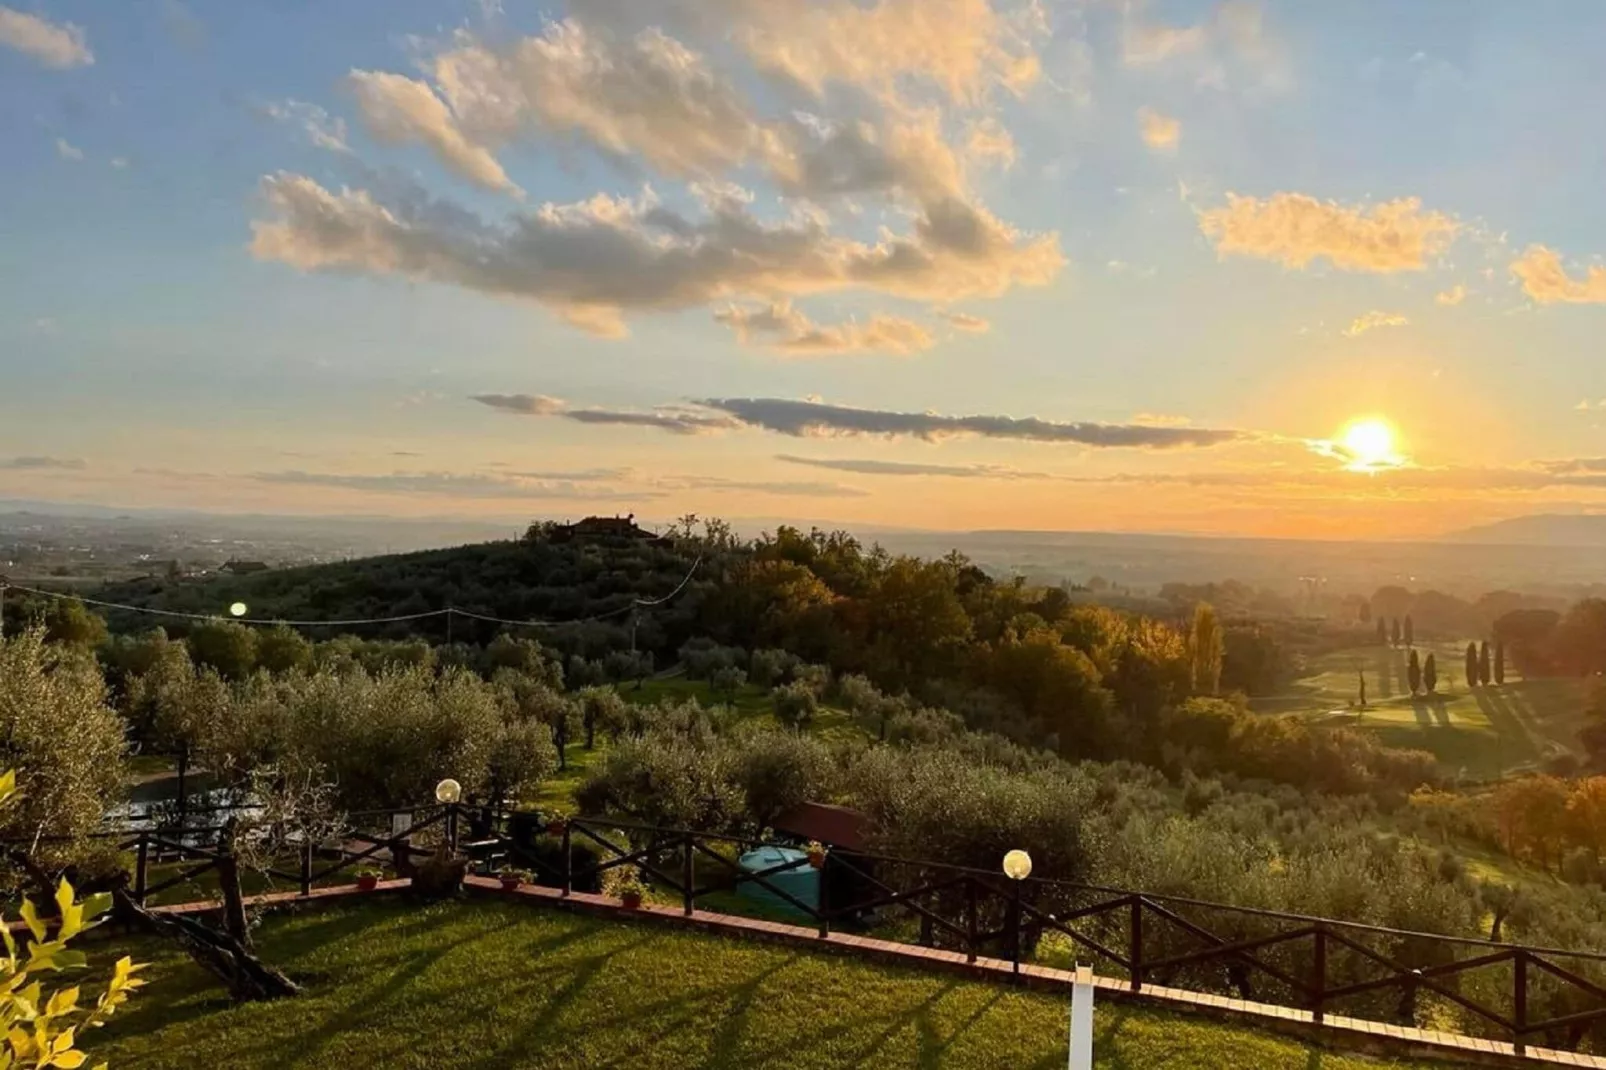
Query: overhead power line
449, 611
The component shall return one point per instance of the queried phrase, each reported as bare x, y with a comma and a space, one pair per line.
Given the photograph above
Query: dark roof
834, 826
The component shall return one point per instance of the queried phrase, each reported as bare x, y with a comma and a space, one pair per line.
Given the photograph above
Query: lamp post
1017, 867
448, 793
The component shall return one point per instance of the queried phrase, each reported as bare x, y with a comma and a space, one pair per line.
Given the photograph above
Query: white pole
1082, 1020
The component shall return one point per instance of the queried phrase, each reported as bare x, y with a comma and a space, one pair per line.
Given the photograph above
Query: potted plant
816, 852
368, 878
556, 822
512, 878
624, 883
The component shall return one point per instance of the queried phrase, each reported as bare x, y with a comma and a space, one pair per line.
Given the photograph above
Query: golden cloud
1294, 229
1160, 132
1373, 320
1545, 279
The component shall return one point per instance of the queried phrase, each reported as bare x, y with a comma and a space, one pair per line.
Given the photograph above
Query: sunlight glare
1368, 445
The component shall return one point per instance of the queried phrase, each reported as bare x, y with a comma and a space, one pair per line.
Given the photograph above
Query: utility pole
2, 607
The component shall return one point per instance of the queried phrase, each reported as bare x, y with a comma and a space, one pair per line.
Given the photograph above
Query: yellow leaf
30, 918
69, 1060
62, 1002
63, 1042
8, 784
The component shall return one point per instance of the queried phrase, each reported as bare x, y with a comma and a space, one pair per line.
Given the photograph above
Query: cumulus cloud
59, 45
964, 321
593, 261
399, 109
805, 419
48, 464
1546, 281
782, 327
1294, 229
1160, 132
68, 151
1371, 321
1452, 297
904, 468
611, 79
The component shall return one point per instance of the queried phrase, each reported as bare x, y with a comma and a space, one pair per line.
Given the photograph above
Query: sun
1368, 445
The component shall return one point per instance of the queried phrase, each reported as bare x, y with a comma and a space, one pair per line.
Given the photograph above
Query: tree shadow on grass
1510, 730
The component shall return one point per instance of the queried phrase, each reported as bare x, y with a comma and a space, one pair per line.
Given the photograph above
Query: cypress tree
1410, 631
1499, 662
1413, 673
1430, 674
1472, 664
1396, 631
1483, 665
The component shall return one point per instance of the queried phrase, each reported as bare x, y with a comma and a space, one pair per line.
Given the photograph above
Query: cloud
1233, 41
987, 141
1160, 419
59, 45
463, 485
1294, 229
903, 468
964, 321
782, 327
186, 29
119, 163
1372, 320
791, 489
665, 418
806, 419
322, 129
593, 261
1160, 132
50, 464
1452, 297
399, 109
522, 404
67, 151
1546, 281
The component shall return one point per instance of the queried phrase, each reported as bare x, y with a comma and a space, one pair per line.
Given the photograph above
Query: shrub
795, 704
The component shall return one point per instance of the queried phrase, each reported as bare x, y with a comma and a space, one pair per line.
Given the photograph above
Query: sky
1279, 268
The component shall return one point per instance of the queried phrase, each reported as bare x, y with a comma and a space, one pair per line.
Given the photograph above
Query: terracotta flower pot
511, 884
631, 900
555, 827
817, 859
367, 884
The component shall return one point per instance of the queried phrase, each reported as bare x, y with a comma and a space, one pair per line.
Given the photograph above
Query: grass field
493, 985
1482, 732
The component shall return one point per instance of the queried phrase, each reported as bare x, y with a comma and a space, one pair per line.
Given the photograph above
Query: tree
795, 704
1472, 665
1362, 673
226, 646
1531, 814
282, 649
727, 682
1413, 673
1363, 612
70, 621
173, 706
1499, 662
1382, 632
1409, 631
39, 1027
601, 707
1484, 673
1205, 650
1430, 674
1586, 815
1394, 633
66, 743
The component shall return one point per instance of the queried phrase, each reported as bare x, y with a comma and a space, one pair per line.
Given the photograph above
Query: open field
486, 984
1480, 732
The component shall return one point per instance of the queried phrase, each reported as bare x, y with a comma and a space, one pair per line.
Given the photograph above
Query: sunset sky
1070, 264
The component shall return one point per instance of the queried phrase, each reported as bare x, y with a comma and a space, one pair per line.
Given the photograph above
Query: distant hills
1544, 529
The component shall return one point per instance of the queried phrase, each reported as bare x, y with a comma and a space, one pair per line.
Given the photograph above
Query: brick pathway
1349, 1033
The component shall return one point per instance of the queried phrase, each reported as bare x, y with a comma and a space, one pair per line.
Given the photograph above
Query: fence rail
1527, 995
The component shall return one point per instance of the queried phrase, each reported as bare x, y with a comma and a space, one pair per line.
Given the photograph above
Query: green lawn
1483, 732
493, 985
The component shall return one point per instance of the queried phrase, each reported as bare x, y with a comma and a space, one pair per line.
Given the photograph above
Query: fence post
141, 867
687, 876
451, 829
1519, 969
970, 919
1014, 927
1319, 972
825, 897
306, 864
568, 861
1135, 946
